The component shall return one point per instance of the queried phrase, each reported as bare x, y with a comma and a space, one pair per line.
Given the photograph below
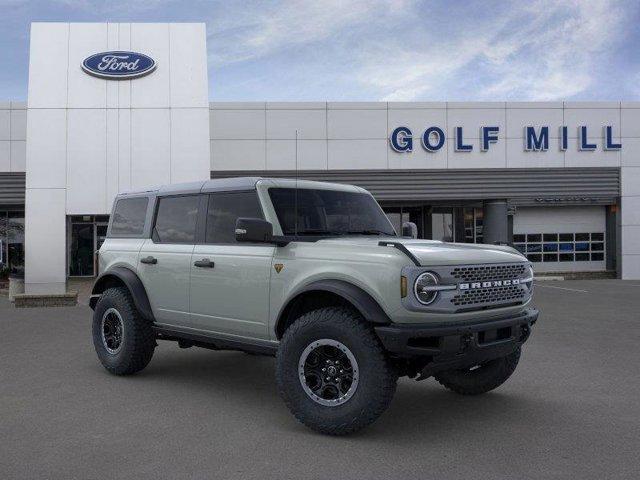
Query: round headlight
422, 290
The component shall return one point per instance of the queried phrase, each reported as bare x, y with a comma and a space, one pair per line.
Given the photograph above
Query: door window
224, 209
176, 219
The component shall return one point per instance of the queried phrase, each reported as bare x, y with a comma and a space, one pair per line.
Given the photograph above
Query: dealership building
114, 107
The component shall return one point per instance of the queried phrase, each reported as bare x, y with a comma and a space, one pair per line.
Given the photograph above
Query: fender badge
278, 267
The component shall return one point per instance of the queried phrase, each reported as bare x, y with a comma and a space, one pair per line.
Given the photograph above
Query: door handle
204, 263
149, 260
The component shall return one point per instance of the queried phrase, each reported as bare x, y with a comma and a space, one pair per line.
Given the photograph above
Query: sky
377, 50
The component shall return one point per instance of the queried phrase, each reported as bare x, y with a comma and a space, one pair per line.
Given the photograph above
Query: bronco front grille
490, 295
488, 272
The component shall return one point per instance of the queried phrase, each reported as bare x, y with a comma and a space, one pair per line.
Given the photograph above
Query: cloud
542, 51
260, 29
408, 50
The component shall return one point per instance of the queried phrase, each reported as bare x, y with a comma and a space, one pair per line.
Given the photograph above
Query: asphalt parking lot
571, 410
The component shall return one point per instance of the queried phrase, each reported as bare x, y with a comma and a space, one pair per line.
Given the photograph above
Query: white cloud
257, 30
546, 50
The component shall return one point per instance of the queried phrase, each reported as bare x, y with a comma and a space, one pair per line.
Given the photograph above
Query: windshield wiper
370, 232
319, 231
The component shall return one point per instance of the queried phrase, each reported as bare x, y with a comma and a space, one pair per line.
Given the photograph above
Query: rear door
230, 281
164, 262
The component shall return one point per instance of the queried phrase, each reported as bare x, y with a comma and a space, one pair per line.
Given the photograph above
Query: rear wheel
333, 373
122, 338
480, 378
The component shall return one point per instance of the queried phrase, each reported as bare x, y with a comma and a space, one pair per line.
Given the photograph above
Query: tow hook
525, 333
465, 341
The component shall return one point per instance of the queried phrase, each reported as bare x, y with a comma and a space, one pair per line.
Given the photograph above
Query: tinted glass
225, 209
128, 217
328, 212
176, 220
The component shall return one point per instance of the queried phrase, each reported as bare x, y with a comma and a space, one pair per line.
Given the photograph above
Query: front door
230, 281
164, 261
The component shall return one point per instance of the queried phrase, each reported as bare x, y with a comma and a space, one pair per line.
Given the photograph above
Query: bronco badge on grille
489, 284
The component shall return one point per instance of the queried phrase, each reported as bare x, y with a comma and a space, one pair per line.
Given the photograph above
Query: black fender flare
133, 284
356, 296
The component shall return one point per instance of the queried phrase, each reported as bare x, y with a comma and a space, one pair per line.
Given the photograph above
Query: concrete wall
89, 138
630, 213
355, 135
13, 136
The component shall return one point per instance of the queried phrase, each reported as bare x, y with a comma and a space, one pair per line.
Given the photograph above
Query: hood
434, 252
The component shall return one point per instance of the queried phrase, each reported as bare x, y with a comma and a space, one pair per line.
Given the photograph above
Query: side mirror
409, 229
253, 230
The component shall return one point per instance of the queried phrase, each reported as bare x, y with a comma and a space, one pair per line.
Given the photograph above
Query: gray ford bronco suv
314, 274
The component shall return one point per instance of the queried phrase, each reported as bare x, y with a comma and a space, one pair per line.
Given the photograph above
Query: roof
238, 183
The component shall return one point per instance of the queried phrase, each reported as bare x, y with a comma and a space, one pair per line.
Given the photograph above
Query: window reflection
573, 247
11, 243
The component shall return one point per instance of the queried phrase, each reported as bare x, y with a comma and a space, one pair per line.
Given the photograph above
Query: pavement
571, 410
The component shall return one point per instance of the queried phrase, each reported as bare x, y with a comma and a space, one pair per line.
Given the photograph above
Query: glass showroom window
11, 242
561, 247
473, 219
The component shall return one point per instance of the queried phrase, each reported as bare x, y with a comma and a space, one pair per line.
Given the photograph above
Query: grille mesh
504, 294
495, 295
488, 272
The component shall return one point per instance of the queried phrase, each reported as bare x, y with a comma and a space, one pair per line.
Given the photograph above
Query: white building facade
559, 180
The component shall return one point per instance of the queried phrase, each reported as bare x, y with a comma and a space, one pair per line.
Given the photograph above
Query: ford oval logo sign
118, 65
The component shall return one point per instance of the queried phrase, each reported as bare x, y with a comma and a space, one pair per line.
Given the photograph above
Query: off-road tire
482, 379
377, 377
138, 340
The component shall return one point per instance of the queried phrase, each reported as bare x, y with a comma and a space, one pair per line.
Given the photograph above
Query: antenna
295, 208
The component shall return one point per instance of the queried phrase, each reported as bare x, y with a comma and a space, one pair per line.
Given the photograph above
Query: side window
225, 209
176, 219
128, 217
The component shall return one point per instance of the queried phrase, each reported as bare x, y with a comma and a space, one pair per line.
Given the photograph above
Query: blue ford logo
118, 65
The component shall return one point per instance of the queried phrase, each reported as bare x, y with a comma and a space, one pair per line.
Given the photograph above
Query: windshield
329, 212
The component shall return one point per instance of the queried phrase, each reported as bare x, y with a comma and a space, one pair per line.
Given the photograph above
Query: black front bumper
460, 345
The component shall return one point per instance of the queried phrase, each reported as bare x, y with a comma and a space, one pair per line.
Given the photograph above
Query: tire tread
464, 384
143, 336
356, 327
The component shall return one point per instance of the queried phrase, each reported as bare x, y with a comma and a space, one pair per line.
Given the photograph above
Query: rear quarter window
128, 217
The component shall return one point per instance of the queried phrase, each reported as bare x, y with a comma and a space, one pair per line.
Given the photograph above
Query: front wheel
480, 378
333, 373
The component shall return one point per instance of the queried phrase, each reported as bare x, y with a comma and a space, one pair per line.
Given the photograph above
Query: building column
45, 241
495, 222
629, 267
